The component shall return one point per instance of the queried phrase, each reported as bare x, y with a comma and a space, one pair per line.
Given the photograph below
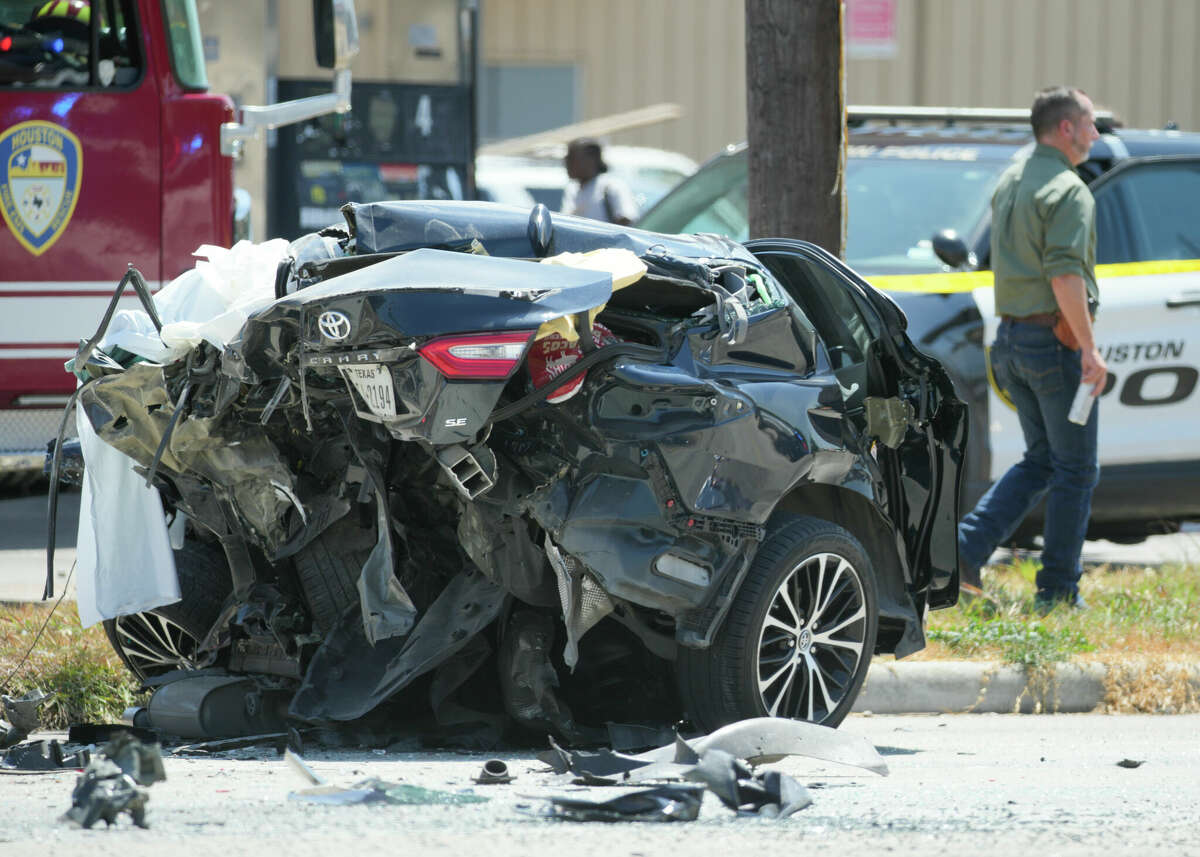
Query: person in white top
592, 192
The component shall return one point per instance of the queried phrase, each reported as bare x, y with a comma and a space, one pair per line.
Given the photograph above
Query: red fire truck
112, 151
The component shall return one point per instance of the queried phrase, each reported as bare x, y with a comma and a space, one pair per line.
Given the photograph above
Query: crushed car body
461, 434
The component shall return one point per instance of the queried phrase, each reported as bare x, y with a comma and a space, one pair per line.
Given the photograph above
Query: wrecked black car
495, 463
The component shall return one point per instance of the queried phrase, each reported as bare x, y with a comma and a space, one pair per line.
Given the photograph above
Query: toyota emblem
334, 325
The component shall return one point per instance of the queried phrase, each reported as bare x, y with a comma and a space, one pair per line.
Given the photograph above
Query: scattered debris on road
114, 782
494, 772
23, 717
662, 803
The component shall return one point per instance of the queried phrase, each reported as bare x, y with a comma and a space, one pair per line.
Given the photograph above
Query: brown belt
1041, 319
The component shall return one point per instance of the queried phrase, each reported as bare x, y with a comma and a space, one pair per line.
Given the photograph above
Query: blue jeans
1060, 462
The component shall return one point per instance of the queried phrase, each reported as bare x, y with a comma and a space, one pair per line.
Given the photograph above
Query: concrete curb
982, 687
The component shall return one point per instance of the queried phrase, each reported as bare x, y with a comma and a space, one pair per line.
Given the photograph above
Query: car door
898, 403
1148, 327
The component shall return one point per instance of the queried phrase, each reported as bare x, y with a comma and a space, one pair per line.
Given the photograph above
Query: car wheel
165, 638
798, 638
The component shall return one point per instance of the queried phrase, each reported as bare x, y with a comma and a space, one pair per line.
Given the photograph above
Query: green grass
1147, 612
88, 680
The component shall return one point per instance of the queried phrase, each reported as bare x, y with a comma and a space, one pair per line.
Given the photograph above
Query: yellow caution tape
967, 281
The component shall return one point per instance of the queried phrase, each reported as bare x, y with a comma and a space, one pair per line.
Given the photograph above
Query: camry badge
334, 325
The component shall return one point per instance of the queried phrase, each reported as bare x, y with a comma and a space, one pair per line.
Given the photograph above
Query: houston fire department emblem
43, 165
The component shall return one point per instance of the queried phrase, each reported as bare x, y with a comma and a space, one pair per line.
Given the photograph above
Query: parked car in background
918, 191
419, 457
517, 179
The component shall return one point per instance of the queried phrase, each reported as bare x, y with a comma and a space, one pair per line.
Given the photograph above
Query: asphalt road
960, 784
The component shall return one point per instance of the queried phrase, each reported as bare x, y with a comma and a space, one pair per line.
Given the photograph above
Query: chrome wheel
812, 639
151, 644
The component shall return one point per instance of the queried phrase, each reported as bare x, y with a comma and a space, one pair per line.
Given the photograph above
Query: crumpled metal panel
131, 411
348, 676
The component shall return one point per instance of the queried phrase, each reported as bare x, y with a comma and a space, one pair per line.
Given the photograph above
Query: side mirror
951, 249
335, 32
540, 231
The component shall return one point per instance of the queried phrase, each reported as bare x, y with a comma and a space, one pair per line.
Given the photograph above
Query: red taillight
477, 356
6, 43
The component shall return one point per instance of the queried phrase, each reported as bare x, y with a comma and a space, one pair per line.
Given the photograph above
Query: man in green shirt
1044, 257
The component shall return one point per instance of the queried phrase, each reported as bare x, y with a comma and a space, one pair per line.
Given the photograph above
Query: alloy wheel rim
153, 644
812, 639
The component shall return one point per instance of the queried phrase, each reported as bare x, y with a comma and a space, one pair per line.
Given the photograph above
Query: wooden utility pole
795, 113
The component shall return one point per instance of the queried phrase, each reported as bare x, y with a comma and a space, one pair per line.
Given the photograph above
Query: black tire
328, 568
165, 638
807, 676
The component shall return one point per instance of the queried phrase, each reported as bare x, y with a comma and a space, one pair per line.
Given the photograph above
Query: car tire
766, 660
165, 638
328, 568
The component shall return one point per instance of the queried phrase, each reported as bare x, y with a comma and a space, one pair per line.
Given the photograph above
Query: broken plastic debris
768, 739
662, 803
375, 790
113, 783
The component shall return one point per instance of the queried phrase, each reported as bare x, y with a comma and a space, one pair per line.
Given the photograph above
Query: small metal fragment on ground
220, 745
113, 783
663, 803
1131, 763
297, 764
494, 772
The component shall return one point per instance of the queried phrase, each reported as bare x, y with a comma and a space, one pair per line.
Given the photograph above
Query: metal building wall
632, 53
1137, 57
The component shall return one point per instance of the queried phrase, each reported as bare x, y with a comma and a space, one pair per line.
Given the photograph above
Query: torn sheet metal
348, 677
770, 794
659, 804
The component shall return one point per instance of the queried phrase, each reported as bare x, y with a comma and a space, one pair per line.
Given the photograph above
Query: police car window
896, 204
1156, 207
47, 44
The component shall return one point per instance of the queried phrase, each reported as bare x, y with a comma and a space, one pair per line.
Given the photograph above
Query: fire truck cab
112, 152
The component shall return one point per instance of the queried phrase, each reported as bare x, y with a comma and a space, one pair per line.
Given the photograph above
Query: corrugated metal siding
1136, 57
631, 53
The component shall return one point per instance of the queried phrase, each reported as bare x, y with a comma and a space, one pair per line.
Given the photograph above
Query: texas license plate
373, 383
